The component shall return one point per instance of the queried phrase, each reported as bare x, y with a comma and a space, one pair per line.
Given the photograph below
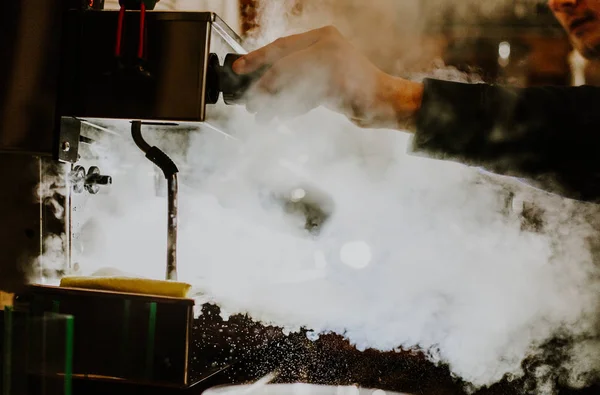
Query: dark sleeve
550, 135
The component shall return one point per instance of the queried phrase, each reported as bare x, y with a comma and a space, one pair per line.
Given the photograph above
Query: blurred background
510, 41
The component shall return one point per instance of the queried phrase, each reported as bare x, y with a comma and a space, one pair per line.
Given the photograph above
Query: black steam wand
160, 159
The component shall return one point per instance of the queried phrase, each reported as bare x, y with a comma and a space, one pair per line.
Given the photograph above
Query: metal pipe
173, 190
160, 159
138, 139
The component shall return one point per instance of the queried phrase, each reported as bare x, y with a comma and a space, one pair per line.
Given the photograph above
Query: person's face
581, 20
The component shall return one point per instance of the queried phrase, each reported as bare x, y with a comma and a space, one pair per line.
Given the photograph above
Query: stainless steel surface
227, 34
178, 46
20, 234
35, 219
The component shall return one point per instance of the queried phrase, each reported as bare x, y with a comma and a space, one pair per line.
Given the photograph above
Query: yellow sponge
129, 285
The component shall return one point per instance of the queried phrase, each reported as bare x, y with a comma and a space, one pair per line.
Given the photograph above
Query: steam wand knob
222, 79
89, 182
94, 179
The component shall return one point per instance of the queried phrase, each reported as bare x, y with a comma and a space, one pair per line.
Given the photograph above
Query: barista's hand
321, 67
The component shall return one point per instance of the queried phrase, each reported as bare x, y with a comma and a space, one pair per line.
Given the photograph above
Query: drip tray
121, 337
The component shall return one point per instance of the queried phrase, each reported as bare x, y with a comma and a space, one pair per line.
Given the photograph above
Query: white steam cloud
415, 253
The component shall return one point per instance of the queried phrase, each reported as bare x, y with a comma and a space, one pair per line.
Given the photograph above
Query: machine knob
90, 182
234, 85
223, 79
94, 179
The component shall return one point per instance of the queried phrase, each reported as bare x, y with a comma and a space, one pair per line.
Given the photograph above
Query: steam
50, 194
414, 253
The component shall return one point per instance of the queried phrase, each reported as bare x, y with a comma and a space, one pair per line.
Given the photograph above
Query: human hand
321, 67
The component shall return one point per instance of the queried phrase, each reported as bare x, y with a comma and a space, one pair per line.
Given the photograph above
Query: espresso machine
68, 66
71, 71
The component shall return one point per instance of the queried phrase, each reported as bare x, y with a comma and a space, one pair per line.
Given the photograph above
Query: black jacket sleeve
550, 135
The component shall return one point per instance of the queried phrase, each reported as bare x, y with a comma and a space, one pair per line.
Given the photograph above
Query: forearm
539, 133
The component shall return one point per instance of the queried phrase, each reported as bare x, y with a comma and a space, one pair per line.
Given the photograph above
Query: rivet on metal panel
68, 147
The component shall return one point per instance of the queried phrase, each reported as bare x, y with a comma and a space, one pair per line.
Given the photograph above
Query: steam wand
160, 159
